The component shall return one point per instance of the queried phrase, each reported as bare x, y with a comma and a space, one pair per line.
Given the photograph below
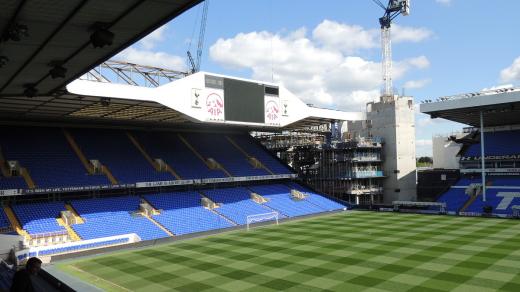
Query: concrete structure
394, 121
445, 152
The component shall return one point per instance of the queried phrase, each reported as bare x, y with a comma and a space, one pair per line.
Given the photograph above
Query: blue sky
327, 52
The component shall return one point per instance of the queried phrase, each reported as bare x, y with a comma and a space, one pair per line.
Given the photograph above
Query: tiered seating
236, 203
497, 143
494, 201
216, 146
175, 153
113, 216
247, 143
279, 198
501, 181
4, 221
40, 218
182, 213
47, 155
454, 198
115, 150
9, 183
316, 199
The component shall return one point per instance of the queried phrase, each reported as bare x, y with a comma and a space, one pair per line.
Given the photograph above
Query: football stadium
119, 176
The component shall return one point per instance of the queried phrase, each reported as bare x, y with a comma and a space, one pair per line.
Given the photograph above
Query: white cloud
423, 142
151, 58
501, 86
151, 40
401, 34
414, 84
444, 2
321, 69
347, 38
511, 73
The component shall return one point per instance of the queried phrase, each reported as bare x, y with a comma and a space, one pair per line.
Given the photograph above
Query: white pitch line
98, 278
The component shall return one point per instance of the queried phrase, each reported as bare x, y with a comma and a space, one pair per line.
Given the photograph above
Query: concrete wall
444, 152
394, 121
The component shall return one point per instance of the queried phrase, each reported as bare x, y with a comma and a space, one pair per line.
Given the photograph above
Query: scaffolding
348, 170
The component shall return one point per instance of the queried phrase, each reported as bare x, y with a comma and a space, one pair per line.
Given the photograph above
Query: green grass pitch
349, 251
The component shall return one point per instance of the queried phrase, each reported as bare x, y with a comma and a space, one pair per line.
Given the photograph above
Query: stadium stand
495, 199
182, 213
279, 198
40, 218
15, 182
316, 199
217, 147
175, 153
497, 143
5, 225
114, 149
455, 198
247, 143
48, 157
236, 203
113, 216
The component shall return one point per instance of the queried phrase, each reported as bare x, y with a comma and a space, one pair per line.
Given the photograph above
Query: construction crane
195, 64
392, 10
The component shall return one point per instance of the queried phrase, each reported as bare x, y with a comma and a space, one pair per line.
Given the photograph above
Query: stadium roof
59, 33
500, 107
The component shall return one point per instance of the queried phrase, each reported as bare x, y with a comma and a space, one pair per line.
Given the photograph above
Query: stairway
206, 161
27, 178
14, 223
78, 218
148, 158
158, 225
88, 166
72, 234
468, 203
251, 159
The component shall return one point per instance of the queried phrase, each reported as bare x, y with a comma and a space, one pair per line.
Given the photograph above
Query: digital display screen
244, 101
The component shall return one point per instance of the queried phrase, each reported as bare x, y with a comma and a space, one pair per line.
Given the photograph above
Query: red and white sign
214, 103
272, 110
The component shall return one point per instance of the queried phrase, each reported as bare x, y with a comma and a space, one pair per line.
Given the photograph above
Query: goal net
261, 218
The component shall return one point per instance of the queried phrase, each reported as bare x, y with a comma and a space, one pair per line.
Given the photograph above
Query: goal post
250, 219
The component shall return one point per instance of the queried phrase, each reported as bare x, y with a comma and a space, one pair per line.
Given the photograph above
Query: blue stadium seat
248, 144
114, 149
10, 183
236, 204
455, 198
175, 153
113, 216
48, 157
317, 199
182, 213
279, 198
497, 143
216, 146
40, 218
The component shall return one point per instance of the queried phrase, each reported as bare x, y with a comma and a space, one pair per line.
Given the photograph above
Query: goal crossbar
250, 219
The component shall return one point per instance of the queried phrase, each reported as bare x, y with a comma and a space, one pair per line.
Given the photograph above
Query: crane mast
392, 10
195, 64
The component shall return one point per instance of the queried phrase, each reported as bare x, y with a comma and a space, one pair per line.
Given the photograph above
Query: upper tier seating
279, 198
248, 144
9, 183
316, 199
182, 213
493, 199
40, 218
170, 148
216, 146
236, 203
113, 216
45, 152
497, 143
115, 150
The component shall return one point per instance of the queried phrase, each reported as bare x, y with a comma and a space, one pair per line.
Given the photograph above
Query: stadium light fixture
101, 36
15, 32
30, 90
3, 61
57, 71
